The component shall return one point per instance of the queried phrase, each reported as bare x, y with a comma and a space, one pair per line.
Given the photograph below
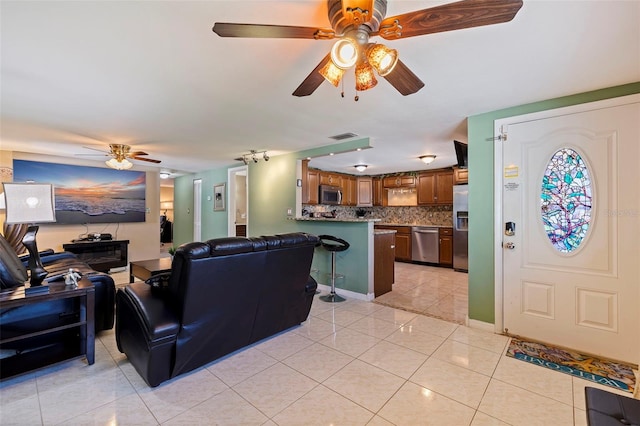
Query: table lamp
31, 203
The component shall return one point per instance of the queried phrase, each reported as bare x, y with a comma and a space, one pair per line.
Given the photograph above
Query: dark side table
66, 335
145, 269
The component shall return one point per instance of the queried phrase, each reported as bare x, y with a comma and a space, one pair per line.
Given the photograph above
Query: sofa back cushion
13, 273
217, 287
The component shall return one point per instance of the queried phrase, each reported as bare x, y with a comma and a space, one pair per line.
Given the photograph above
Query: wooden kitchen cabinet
349, 190
446, 246
378, 199
365, 192
435, 187
460, 176
403, 241
329, 178
399, 182
310, 182
384, 266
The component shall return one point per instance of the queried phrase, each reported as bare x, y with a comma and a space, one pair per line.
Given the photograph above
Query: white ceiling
152, 74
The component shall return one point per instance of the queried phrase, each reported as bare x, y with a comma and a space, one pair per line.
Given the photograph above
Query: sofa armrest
151, 311
607, 408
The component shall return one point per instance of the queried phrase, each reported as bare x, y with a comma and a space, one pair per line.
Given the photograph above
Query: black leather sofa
610, 409
13, 273
221, 295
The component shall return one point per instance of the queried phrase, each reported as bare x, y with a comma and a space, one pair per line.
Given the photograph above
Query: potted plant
172, 251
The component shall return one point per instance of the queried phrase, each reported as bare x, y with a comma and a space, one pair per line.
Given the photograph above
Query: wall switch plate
289, 212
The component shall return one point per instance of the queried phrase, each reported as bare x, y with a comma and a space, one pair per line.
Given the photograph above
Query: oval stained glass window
565, 200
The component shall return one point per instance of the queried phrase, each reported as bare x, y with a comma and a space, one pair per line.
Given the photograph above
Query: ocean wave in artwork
98, 206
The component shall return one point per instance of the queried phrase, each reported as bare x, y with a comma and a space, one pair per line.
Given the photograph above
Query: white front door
570, 228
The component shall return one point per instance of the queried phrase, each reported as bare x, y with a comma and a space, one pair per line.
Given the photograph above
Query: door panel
587, 297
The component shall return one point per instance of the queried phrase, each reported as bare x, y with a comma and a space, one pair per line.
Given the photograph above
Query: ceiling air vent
343, 136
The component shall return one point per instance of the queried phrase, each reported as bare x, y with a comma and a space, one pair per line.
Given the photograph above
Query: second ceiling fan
355, 22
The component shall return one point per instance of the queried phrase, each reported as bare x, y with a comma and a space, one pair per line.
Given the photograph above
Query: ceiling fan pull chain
342, 92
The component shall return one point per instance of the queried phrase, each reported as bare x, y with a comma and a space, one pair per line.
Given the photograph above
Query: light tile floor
350, 363
429, 290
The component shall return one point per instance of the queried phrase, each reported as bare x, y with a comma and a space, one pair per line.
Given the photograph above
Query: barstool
333, 244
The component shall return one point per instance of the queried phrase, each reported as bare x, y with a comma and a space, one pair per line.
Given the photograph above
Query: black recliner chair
13, 273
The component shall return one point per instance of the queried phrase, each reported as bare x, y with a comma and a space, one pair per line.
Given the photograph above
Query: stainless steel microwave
331, 195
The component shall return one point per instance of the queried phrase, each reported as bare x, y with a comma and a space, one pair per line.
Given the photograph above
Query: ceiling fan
120, 155
354, 22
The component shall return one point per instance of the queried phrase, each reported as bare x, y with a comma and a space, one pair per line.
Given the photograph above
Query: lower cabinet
446, 246
403, 241
383, 258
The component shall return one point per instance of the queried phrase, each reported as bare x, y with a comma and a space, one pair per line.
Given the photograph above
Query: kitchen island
356, 264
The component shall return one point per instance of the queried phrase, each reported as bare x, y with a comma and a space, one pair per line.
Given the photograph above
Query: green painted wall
214, 224
481, 184
272, 190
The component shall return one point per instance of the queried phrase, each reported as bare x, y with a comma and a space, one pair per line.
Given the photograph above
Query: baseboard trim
346, 293
481, 325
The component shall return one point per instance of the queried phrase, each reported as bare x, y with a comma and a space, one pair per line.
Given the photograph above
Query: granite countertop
414, 224
384, 231
332, 219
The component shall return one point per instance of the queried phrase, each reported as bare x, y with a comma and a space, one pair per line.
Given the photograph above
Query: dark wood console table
72, 334
101, 255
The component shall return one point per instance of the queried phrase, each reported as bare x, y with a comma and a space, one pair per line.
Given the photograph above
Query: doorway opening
238, 220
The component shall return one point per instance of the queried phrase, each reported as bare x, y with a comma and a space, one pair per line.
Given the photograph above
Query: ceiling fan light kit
354, 22
332, 73
365, 79
123, 164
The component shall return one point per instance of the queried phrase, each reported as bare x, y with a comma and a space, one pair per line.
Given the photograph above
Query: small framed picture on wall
219, 194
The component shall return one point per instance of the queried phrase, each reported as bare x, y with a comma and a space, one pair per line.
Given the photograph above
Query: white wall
144, 238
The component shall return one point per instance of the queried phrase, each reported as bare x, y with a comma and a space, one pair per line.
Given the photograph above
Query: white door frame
500, 128
231, 198
197, 209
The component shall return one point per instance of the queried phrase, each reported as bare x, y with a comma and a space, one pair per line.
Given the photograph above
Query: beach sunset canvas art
89, 194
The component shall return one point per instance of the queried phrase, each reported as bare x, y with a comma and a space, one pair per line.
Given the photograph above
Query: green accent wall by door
481, 200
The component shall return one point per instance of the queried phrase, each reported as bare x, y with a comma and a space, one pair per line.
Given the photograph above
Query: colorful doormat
615, 374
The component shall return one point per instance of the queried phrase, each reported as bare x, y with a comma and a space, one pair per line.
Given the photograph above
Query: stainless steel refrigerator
460, 227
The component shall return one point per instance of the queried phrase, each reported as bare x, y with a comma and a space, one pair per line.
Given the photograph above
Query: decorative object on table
618, 375
31, 203
72, 277
219, 197
361, 213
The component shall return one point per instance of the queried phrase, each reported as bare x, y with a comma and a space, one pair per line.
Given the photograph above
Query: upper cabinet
435, 187
378, 196
349, 190
310, 182
365, 191
330, 178
460, 176
399, 181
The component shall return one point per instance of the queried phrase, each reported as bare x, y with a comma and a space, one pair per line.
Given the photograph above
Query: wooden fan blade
95, 149
313, 80
136, 153
224, 29
449, 17
404, 80
150, 160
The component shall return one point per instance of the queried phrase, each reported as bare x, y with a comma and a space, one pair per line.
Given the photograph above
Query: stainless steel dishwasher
425, 243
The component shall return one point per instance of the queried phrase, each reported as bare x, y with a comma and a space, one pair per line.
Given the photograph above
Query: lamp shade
382, 58
365, 79
124, 164
428, 159
29, 202
332, 73
344, 53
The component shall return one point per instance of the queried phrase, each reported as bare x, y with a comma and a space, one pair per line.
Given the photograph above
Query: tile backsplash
409, 215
